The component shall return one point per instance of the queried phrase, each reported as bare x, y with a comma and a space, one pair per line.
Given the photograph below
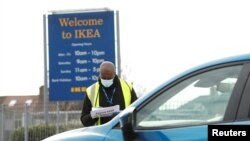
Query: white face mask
107, 83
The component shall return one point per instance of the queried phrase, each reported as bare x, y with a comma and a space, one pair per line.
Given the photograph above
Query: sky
158, 38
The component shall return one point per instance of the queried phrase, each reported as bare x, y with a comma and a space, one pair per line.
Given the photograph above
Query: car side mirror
127, 124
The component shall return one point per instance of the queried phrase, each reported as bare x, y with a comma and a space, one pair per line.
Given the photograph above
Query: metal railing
21, 118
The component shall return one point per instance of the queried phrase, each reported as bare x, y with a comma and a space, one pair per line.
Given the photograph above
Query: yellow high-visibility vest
92, 93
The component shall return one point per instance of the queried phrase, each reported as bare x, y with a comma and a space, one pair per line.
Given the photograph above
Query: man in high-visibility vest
108, 91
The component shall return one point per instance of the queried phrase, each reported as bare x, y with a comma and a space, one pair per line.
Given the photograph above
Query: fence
23, 117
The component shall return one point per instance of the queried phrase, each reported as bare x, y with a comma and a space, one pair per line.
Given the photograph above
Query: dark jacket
117, 100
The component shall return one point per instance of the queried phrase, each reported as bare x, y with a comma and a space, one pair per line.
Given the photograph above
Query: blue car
182, 108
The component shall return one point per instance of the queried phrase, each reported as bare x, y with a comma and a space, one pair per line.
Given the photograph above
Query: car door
183, 110
243, 114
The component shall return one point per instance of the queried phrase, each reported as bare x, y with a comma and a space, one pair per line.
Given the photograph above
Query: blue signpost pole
45, 95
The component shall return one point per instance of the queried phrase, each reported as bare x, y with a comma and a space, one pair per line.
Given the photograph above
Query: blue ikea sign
78, 44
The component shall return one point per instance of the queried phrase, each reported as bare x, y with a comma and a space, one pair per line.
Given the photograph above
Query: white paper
104, 111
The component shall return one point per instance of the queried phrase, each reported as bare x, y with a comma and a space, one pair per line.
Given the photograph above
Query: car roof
225, 60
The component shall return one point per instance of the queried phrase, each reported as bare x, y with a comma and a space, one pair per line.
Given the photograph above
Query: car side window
199, 99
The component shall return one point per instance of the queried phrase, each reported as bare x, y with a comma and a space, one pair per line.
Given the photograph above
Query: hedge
40, 132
